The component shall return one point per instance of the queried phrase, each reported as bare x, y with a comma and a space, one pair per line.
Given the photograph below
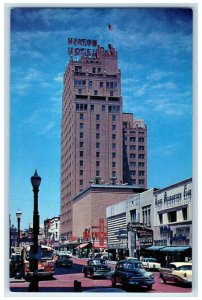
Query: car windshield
132, 266
46, 254
185, 267
98, 262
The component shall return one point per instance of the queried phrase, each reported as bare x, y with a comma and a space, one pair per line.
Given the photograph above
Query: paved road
64, 278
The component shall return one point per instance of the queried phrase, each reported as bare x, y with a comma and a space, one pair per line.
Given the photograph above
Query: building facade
173, 211
92, 130
130, 224
52, 230
89, 211
134, 151
117, 236
158, 222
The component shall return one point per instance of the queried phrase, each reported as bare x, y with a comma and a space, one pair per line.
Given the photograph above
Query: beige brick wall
89, 209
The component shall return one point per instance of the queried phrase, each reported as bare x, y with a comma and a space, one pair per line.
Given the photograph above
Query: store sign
82, 47
165, 229
174, 198
101, 237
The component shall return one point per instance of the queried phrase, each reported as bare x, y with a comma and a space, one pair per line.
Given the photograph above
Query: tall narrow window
160, 219
113, 117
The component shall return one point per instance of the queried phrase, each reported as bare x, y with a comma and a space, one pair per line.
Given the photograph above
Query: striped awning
81, 246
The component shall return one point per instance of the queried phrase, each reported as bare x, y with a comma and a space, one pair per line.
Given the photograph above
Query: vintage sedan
177, 272
96, 268
151, 263
128, 274
64, 261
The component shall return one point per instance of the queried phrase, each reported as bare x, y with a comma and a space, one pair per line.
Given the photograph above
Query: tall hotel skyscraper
98, 139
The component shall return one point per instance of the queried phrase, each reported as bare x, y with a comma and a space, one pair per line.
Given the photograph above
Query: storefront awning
154, 248
81, 246
175, 249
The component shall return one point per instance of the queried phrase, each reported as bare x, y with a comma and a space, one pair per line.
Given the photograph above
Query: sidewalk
15, 280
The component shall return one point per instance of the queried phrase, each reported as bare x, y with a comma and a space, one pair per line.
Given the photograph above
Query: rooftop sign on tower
82, 47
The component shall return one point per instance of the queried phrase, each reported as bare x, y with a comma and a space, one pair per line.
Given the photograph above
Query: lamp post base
34, 283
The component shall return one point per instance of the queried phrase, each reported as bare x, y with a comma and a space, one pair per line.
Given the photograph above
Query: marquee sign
82, 47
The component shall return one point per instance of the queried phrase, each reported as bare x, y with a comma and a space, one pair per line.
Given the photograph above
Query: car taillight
26, 267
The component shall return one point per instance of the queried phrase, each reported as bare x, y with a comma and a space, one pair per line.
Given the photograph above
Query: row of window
133, 164
84, 106
82, 83
145, 211
133, 156
97, 117
95, 93
133, 147
98, 127
133, 173
133, 139
172, 216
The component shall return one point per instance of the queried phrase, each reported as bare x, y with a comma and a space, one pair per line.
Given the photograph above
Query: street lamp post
35, 180
18, 215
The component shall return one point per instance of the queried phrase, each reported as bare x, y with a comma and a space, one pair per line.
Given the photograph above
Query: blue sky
155, 57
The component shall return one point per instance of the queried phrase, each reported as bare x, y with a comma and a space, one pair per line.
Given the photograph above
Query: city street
63, 281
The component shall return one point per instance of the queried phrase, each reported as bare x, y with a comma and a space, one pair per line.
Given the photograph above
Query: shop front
168, 254
83, 250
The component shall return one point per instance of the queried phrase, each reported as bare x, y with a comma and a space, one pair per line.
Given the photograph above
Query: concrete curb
14, 280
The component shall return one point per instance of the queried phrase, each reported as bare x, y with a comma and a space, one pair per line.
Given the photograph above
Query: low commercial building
52, 231
156, 222
129, 224
173, 222
117, 237
173, 211
89, 211
140, 221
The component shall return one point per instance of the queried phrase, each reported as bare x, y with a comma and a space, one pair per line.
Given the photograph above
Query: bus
46, 263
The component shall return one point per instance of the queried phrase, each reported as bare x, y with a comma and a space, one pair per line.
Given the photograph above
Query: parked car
138, 263
96, 267
177, 272
15, 265
131, 257
128, 274
102, 255
151, 263
64, 261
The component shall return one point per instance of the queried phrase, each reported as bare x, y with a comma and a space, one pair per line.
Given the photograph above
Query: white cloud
58, 78
158, 75
166, 150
